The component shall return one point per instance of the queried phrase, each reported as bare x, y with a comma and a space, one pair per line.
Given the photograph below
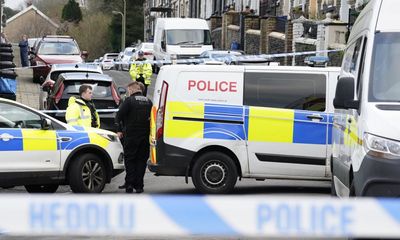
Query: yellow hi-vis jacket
78, 113
145, 69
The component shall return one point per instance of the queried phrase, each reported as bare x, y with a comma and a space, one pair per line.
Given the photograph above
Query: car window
286, 90
58, 48
12, 116
100, 90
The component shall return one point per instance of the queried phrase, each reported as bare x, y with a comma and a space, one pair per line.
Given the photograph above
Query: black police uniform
133, 119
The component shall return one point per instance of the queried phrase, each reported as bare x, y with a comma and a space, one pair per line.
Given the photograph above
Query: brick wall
277, 45
233, 34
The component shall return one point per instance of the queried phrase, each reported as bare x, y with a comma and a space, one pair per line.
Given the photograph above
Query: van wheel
47, 188
214, 173
87, 174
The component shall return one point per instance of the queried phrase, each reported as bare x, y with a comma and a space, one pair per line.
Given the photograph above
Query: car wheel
46, 188
215, 173
87, 174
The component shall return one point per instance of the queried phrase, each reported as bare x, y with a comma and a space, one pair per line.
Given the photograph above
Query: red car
54, 50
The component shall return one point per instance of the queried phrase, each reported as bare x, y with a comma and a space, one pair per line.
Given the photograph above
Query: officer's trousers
136, 152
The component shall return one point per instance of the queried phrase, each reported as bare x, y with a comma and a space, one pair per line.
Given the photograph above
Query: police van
218, 123
366, 133
41, 153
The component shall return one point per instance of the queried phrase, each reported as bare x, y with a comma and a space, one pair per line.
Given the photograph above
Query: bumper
378, 177
171, 160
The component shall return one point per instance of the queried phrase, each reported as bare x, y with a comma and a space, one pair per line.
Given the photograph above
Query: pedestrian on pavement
133, 120
141, 72
23, 50
81, 111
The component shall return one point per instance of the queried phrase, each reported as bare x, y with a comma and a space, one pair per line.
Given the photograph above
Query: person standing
133, 120
81, 111
24, 50
141, 72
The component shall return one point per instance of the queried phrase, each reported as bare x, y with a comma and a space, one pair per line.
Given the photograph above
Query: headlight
40, 63
381, 147
109, 137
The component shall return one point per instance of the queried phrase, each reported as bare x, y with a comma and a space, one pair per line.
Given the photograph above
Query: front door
24, 146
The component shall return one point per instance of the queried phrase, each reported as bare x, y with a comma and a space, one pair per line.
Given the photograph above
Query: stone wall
301, 47
252, 42
233, 34
335, 58
216, 38
277, 45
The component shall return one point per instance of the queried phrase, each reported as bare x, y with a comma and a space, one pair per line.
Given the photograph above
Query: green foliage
9, 12
72, 12
134, 21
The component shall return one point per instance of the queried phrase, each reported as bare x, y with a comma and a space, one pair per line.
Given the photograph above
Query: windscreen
385, 71
188, 36
101, 90
58, 48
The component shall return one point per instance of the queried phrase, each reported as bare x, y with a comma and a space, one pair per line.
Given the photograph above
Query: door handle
65, 139
317, 117
6, 137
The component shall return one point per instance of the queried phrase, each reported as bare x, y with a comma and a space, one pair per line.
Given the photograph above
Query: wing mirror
45, 124
122, 91
163, 46
344, 96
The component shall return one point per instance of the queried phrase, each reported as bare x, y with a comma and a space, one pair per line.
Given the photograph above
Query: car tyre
214, 173
87, 174
46, 188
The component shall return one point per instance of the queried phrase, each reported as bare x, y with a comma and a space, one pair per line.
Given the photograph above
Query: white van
218, 123
366, 133
181, 38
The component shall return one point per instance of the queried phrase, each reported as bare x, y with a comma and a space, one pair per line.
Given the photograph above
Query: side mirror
163, 45
122, 91
344, 96
84, 54
45, 124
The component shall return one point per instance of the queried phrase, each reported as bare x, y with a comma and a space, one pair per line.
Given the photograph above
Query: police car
41, 153
218, 123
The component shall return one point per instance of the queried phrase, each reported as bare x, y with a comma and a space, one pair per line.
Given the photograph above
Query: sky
14, 4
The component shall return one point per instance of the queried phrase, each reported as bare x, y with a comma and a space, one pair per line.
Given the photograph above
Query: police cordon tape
203, 60
64, 111
158, 215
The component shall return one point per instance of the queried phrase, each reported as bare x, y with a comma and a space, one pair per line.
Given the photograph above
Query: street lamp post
123, 15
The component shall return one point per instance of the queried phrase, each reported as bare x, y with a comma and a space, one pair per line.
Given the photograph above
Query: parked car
56, 70
107, 63
128, 53
53, 50
220, 57
41, 153
148, 50
105, 95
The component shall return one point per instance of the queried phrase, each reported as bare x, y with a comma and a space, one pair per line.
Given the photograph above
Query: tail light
147, 53
59, 93
114, 94
161, 111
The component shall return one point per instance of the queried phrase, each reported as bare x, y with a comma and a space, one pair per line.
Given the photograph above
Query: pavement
27, 91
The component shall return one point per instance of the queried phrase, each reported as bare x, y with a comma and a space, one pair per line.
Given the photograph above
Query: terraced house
267, 26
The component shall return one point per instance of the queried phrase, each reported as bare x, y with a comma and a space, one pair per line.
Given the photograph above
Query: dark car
105, 95
54, 50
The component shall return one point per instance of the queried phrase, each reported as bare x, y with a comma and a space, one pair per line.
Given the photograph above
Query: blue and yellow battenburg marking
258, 124
46, 140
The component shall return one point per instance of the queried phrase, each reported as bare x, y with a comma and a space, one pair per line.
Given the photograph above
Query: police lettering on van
218, 123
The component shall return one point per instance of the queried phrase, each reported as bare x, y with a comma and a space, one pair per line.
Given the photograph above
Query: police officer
141, 71
81, 111
133, 119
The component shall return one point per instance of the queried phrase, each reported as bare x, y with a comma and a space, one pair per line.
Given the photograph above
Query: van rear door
287, 123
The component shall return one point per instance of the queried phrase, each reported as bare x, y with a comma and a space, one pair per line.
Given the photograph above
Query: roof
37, 11
86, 76
76, 66
183, 23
